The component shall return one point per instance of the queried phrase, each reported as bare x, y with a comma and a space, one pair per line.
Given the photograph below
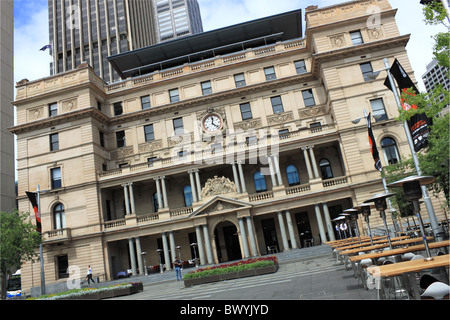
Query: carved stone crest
217, 186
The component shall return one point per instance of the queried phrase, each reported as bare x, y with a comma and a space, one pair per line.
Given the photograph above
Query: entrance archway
227, 242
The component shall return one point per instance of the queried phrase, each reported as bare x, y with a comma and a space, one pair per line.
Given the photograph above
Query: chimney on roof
311, 8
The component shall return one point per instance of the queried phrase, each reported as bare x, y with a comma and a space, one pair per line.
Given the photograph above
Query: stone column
166, 251
283, 231
193, 188
291, 229
308, 163
132, 257
328, 222
200, 246
314, 162
276, 162
127, 200
272, 171
251, 236
164, 191
139, 256
209, 253
133, 208
323, 236
241, 177
173, 249
235, 177
199, 186
158, 193
243, 237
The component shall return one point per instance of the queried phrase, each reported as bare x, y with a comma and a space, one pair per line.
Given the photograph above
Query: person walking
178, 265
89, 275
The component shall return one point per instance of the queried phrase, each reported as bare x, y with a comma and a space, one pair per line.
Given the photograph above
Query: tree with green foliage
18, 242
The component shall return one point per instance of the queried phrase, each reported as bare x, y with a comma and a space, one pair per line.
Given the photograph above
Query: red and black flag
373, 146
33, 199
419, 124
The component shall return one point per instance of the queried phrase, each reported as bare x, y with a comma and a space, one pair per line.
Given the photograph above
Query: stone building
239, 140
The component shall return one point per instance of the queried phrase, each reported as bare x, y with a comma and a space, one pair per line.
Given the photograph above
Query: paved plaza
299, 277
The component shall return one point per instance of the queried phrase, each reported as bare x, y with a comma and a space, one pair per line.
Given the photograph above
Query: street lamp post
412, 187
194, 245
161, 267
145, 263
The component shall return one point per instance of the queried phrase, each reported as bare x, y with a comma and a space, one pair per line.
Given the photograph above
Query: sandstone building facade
244, 153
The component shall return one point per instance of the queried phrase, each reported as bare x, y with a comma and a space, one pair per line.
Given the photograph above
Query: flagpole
429, 206
40, 246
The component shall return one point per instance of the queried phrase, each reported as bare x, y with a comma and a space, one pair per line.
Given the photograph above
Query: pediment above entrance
220, 205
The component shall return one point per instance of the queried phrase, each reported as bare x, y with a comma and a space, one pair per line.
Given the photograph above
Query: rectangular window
120, 139
252, 140
300, 66
145, 102
246, 111
62, 263
367, 71
283, 132
308, 98
178, 126
52, 109
270, 73
206, 88
277, 105
150, 161
56, 178
379, 112
54, 142
356, 37
149, 134
118, 110
102, 138
174, 95
239, 80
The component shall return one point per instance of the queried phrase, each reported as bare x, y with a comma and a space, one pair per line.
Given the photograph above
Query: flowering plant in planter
249, 264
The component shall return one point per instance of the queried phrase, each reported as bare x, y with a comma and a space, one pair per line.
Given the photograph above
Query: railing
260, 196
115, 223
57, 234
334, 182
147, 218
181, 211
298, 189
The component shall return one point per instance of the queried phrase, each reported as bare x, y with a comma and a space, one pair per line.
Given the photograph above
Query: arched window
59, 217
325, 168
155, 202
187, 196
390, 150
260, 182
292, 175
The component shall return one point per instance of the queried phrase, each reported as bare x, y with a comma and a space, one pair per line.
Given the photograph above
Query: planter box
231, 275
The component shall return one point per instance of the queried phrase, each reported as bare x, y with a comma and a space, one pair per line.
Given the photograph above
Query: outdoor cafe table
358, 245
349, 242
407, 270
376, 255
346, 253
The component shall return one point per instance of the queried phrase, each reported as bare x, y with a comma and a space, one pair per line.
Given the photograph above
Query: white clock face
212, 123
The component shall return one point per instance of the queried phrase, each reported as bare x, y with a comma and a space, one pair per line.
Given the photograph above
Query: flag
419, 124
33, 199
47, 46
373, 146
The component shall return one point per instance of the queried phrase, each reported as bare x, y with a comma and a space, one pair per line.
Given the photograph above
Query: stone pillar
251, 236
308, 163
323, 236
132, 257
283, 231
199, 186
235, 177
272, 171
139, 256
291, 229
166, 251
127, 200
209, 253
328, 222
276, 162
164, 191
314, 162
201, 250
241, 177
173, 249
243, 237
133, 208
193, 188
158, 193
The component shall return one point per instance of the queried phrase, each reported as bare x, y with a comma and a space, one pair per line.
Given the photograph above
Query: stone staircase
304, 253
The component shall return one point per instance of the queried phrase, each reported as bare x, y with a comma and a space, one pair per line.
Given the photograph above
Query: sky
31, 28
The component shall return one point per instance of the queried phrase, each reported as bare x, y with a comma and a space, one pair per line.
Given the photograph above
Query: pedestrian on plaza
89, 275
178, 265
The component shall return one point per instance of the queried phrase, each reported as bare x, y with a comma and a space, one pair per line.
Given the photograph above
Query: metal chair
437, 290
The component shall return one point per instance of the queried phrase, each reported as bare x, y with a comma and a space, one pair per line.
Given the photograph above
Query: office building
176, 18
89, 31
222, 145
7, 179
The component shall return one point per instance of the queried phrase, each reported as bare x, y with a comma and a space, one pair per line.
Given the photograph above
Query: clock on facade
212, 123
